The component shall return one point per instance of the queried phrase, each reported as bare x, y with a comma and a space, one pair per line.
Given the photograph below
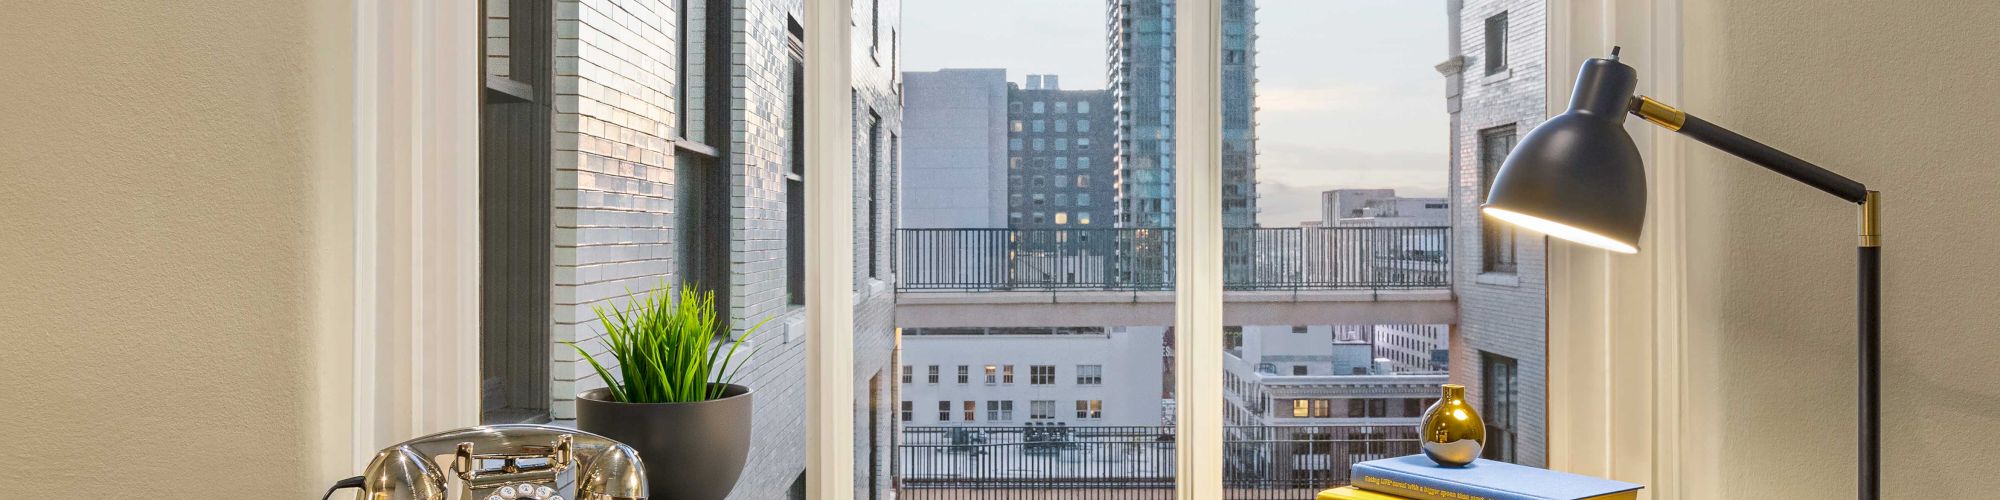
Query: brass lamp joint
1658, 112
1871, 219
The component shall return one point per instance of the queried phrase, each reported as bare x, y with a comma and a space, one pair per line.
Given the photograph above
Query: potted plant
671, 395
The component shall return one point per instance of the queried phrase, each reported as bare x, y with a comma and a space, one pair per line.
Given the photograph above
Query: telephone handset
504, 462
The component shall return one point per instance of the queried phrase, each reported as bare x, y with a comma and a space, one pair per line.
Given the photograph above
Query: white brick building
1495, 93
1011, 377
674, 156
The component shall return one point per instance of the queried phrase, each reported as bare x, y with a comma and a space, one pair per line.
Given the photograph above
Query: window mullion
1198, 250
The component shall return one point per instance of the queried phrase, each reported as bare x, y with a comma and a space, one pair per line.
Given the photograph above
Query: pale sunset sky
1348, 95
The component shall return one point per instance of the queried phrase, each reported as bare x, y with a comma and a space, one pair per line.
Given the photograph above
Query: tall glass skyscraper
1141, 80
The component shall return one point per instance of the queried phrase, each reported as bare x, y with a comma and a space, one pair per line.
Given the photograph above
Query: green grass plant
666, 347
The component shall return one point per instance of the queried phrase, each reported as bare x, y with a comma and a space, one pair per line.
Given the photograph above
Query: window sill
1498, 279
689, 145
1502, 76
795, 324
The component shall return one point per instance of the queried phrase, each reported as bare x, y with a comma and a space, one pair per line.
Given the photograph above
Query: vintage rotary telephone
503, 462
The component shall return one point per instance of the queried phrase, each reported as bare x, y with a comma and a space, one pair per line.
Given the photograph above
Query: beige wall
1900, 96
163, 194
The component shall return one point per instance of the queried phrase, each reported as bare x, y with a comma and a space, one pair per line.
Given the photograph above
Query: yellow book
1353, 493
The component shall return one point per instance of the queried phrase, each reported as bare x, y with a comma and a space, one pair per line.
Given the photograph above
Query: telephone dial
503, 462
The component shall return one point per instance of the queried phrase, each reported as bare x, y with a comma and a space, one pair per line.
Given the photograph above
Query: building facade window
907, 374
1500, 391
1298, 370
1083, 106
1089, 374
1496, 43
944, 411
1042, 410
933, 374
1000, 411
1007, 374
1496, 237
992, 374
971, 410
909, 410
1092, 409
964, 374
1042, 375
1039, 107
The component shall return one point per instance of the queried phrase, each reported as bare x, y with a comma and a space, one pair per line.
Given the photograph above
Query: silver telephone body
510, 462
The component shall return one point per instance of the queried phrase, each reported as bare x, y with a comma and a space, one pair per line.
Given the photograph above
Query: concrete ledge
1101, 308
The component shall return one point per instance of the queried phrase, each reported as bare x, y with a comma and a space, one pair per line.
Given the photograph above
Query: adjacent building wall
1499, 313
624, 163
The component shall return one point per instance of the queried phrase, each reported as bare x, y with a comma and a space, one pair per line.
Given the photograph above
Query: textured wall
1896, 95
1501, 314
160, 209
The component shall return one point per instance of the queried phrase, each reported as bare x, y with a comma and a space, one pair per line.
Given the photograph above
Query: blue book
1418, 477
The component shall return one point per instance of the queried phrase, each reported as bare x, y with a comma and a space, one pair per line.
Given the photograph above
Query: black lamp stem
1869, 423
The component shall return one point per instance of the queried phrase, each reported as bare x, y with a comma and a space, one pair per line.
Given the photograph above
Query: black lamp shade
1578, 176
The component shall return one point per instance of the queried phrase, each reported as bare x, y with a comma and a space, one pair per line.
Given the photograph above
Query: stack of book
1417, 477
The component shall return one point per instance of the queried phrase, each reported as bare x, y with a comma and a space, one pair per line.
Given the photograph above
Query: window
1298, 370
1083, 217
874, 26
1083, 125
1082, 162
1062, 125
1062, 106
1062, 200
1357, 408
1042, 410
1298, 328
934, 374
1301, 408
1062, 162
1000, 411
971, 410
992, 374
875, 213
1092, 409
1038, 198
1378, 408
1016, 126
1496, 238
1062, 144
1014, 144
1496, 43
906, 374
1062, 218
1007, 374
1497, 384
1038, 126
1083, 106
1042, 375
1038, 107
964, 374
909, 410
1089, 374
1014, 200
1083, 181
944, 411
1039, 181
1083, 200
1322, 408
795, 181
1083, 143
1039, 144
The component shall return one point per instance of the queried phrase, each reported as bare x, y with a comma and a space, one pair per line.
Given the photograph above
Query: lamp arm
1748, 149
1868, 382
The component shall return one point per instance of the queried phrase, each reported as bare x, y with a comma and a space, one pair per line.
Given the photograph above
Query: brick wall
616, 64
1500, 314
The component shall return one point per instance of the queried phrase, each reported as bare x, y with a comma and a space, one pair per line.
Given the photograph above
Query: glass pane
1039, 182
1338, 194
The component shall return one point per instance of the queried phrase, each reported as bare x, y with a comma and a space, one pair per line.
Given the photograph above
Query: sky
1347, 92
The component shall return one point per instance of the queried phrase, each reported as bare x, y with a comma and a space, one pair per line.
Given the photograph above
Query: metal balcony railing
1332, 258
1130, 463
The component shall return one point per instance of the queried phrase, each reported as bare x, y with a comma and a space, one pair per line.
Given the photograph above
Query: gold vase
1452, 432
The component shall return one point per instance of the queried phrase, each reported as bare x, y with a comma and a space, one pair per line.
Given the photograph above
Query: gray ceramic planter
692, 451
